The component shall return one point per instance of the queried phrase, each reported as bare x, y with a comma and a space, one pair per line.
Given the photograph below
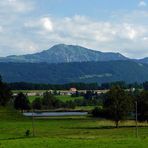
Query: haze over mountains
67, 63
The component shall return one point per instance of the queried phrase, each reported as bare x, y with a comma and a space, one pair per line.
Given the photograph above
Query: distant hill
100, 72
144, 60
62, 53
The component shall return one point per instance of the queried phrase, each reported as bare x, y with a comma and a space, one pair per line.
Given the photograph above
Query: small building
73, 90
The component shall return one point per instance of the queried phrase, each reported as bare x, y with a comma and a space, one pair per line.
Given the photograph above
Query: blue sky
29, 26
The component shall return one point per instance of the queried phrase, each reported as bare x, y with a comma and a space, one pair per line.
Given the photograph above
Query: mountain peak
62, 53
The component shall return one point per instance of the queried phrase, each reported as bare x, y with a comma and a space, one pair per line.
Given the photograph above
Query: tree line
79, 86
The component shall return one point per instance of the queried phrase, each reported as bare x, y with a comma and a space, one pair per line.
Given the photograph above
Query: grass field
73, 132
74, 143
65, 98
88, 108
32, 98
28, 91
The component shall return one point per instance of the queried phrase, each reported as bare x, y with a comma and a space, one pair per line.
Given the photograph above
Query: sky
30, 26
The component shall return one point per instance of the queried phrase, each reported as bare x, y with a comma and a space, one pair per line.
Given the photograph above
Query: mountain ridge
62, 53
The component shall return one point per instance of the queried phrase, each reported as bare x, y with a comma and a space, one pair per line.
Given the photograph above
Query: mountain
100, 72
62, 53
144, 60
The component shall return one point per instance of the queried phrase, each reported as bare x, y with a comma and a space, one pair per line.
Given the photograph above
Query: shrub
27, 133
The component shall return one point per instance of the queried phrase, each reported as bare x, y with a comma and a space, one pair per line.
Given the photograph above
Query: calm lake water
51, 114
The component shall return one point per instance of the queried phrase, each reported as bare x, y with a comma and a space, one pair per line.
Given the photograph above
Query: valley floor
70, 132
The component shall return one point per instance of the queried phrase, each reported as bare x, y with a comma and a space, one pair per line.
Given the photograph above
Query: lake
52, 114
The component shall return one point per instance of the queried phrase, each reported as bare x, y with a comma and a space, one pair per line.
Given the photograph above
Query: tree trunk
117, 124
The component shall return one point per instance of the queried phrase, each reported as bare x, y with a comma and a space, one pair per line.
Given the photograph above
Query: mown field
74, 132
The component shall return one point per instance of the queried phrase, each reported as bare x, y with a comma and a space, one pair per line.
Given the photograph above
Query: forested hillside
87, 72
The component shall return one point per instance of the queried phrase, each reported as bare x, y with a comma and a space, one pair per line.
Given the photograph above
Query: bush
27, 133
99, 112
37, 103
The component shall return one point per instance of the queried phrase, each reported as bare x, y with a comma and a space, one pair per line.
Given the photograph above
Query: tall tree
143, 106
117, 104
21, 102
37, 103
145, 85
5, 93
49, 101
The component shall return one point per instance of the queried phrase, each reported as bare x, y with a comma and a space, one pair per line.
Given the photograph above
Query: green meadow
65, 98
68, 132
59, 132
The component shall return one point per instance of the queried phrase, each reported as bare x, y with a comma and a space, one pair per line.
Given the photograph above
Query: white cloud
15, 6
142, 4
131, 31
47, 24
1, 29
39, 34
127, 33
80, 30
145, 38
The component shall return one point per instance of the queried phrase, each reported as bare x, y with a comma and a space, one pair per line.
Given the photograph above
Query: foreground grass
73, 132
74, 143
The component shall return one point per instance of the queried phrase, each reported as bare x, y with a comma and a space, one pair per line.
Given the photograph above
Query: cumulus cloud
7, 6
128, 33
105, 36
43, 24
81, 30
1, 29
142, 4
47, 24
13, 39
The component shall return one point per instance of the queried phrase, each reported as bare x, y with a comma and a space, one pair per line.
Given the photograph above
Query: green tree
143, 106
37, 103
145, 85
21, 102
118, 104
98, 112
5, 93
49, 101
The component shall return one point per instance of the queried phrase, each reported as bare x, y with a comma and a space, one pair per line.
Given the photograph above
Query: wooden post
136, 120
33, 123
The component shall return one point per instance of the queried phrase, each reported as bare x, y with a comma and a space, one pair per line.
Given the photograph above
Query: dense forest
79, 86
86, 72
